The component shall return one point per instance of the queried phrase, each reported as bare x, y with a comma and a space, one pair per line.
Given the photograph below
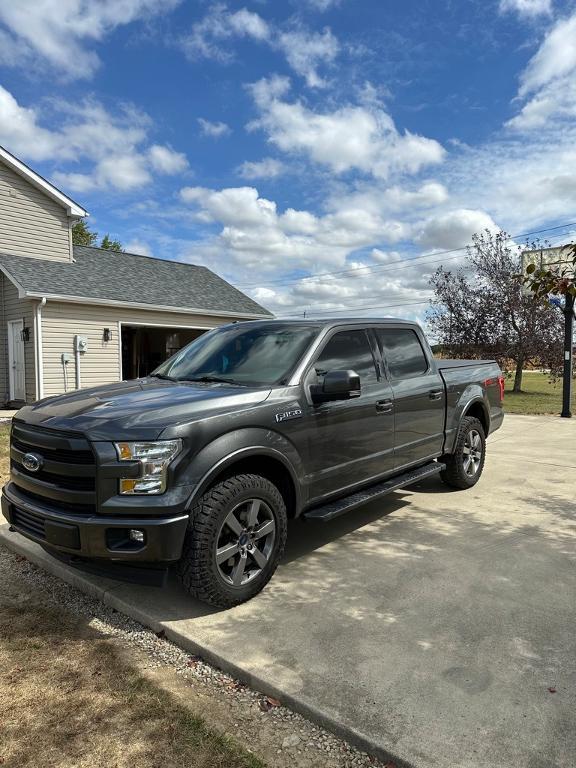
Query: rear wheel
235, 538
465, 465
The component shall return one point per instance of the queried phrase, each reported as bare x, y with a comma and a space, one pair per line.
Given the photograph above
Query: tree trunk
518, 375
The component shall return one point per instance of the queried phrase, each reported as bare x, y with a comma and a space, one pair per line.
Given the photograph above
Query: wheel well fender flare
216, 459
470, 403
477, 408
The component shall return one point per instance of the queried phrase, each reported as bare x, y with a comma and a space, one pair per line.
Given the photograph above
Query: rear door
419, 397
349, 441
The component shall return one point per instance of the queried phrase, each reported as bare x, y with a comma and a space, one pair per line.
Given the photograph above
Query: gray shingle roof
126, 277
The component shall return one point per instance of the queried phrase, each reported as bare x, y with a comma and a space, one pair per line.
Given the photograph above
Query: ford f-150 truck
201, 464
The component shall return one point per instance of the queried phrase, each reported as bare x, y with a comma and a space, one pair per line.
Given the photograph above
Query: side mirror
337, 385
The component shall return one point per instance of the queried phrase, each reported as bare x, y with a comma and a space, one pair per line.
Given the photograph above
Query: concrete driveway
435, 627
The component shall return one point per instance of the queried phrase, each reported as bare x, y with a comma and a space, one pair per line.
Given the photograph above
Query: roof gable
39, 182
109, 277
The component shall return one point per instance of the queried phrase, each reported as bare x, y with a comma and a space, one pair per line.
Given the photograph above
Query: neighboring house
73, 316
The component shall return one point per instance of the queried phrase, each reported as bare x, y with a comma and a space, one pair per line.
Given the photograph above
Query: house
73, 317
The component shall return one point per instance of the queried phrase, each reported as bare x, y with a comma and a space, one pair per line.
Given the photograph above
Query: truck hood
140, 409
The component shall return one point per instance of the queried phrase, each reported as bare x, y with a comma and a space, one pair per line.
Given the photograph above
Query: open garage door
144, 347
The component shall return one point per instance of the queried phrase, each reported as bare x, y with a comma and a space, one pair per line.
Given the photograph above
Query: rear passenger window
403, 352
347, 350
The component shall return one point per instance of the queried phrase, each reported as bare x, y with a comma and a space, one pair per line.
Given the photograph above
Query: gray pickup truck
202, 463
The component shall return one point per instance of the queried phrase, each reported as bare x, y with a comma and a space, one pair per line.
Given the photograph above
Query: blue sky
304, 149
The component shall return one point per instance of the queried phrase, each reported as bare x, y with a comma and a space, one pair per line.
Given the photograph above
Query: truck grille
67, 475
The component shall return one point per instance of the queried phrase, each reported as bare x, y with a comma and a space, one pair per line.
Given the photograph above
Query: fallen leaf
268, 703
552, 690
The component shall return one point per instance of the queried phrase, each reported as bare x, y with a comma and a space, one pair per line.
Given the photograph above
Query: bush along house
73, 317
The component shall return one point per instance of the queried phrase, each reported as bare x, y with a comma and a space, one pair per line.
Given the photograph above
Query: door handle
435, 394
384, 406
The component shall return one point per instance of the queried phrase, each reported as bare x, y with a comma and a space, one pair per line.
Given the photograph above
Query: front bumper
95, 537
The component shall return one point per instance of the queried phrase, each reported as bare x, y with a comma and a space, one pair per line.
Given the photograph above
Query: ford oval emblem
32, 462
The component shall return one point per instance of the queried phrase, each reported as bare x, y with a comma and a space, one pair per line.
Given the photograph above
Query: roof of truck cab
334, 321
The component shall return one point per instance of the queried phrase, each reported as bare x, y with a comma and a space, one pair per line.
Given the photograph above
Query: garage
144, 347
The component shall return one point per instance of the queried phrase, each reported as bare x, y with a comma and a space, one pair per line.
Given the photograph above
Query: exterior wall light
107, 336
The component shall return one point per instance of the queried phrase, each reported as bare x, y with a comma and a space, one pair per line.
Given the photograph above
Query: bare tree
481, 310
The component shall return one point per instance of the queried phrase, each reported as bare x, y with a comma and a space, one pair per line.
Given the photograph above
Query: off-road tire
197, 568
455, 475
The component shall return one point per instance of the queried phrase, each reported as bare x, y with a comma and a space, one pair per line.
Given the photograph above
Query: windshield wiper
212, 379
163, 376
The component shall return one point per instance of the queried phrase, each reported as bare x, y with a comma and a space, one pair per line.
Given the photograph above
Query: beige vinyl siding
31, 224
13, 308
61, 321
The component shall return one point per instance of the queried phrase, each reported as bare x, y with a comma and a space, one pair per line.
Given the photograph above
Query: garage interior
144, 347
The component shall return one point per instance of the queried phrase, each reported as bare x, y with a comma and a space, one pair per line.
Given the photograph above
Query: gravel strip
299, 743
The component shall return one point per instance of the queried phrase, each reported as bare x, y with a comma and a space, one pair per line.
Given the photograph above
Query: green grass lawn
538, 395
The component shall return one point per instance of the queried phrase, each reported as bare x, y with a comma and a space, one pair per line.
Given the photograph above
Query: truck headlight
154, 458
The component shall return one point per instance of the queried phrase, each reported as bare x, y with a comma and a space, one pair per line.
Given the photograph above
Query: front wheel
235, 538
465, 465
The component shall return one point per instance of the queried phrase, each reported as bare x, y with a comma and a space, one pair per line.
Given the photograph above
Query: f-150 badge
294, 413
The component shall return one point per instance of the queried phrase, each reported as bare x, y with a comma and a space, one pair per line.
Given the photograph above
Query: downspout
39, 354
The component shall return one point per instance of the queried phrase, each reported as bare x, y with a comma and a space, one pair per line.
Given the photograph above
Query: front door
16, 360
349, 441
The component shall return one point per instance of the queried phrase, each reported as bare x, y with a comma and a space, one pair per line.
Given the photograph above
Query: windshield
253, 355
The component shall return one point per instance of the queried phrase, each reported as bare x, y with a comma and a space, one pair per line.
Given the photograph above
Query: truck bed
447, 364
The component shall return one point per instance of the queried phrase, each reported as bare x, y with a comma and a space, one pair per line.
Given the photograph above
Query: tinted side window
403, 352
347, 350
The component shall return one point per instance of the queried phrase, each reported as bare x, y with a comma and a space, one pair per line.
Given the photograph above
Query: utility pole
568, 351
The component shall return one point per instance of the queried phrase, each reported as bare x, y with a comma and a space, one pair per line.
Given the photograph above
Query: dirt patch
4, 453
71, 697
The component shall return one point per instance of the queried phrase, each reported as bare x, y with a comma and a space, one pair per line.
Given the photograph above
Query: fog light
136, 535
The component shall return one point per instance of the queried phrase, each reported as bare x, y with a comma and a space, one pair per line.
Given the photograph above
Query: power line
360, 308
398, 265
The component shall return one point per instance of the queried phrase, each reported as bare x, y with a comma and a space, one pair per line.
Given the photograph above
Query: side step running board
335, 508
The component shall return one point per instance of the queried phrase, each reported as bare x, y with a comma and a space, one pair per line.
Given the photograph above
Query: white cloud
206, 37
255, 233
114, 146
323, 5
357, 138
305, 50
556, 56
138, 246
214, 130
166, 160
528, 8
548, 84
122, 172
524, 181
268, 168
20, 132
58, 32
453, 229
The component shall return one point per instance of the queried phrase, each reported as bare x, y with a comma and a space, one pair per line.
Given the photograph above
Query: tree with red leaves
481, 310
